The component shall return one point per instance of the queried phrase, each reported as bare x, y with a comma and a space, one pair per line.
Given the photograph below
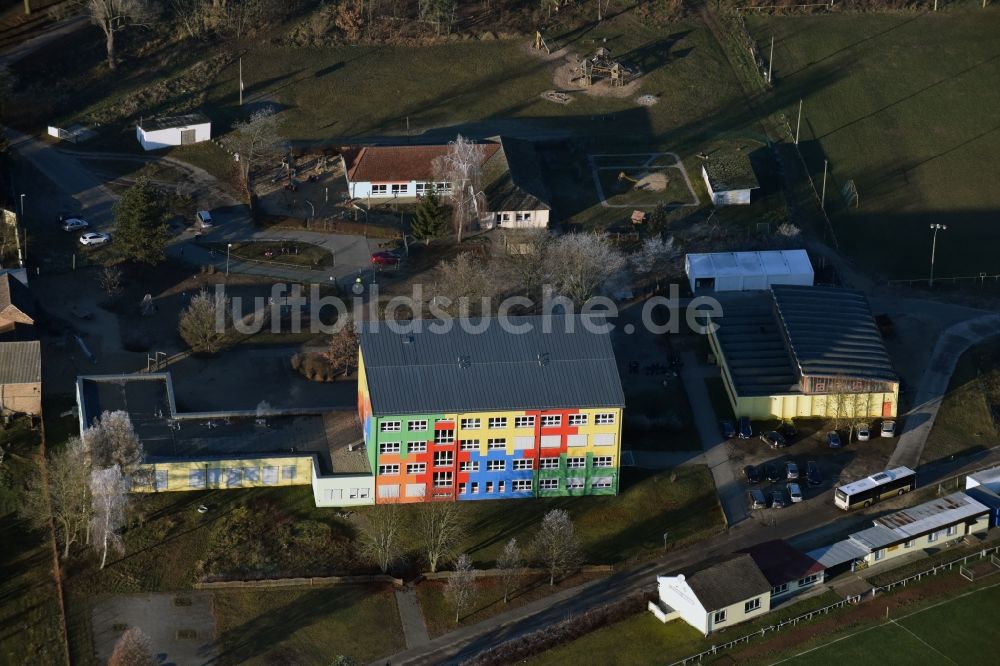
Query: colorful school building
491, 413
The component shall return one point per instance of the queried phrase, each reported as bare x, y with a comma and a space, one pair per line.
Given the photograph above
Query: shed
157, 133
729, 177
748, 271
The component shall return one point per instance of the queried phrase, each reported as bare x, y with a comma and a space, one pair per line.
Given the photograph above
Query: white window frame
779, 589
601, 482
604, 418
496, 465
388, 470
471, 424
575, 483
380, 189
468, 466
444, 458
520, 486
416, 468
578, 419
390, 426
548, 484
497, 422
523, 464
578, 462
489, 487
603, 462
288, 472
469, 445
463, 487
444, 437
551, 420
496, 444
201, 473
908, 544
501, 486
416, 447
752, 605
443, 479
524, 421
548, 463
389, 447
416, 426
400, 188
932, 537
952, 530
808, 580
474, 487
719, 617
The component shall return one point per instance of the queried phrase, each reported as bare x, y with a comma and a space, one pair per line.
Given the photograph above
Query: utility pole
935, 228
822, 197
770, 61
798, 124
241, 80
229, 246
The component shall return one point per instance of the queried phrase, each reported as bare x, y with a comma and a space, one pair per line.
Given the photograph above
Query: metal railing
936, 569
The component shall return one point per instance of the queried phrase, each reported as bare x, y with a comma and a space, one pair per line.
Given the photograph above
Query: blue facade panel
484, 484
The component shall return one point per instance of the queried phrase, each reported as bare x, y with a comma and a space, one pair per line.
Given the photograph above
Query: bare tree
510, 563
134, 648
789, 230
343, 347
556, 545
462, 168
467, 286
111, 440
524, 262
108, 492
253, 140
110, 279
382, 534
655, 257
206, 322
113, 16
68, 498
461, 588
581, 264
440, 527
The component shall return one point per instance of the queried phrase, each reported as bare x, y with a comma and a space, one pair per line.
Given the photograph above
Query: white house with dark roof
156, 133
714, 597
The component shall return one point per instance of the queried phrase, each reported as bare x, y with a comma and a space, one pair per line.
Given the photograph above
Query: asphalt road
56, 31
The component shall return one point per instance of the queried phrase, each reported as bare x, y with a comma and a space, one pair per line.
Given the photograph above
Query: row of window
748, 607
404, 188
520, 217
445, 479
931, 538
498, 422
445, 437
445, 459
200, 477
333, 494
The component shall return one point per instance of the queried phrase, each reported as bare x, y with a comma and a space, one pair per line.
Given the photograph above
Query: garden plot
642, 180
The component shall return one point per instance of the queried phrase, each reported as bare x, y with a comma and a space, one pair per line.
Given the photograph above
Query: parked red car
385, 259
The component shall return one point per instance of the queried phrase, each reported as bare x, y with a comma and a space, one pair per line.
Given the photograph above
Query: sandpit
653, 182
647, 100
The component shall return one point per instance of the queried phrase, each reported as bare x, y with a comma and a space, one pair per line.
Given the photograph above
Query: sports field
957, 631
904, 104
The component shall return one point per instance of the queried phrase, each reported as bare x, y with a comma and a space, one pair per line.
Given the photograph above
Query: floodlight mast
935, 228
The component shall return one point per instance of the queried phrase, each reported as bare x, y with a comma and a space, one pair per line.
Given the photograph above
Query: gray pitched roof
556, 364
14, 293
831, 332
512, 178
730, 582
20, 362
755, 353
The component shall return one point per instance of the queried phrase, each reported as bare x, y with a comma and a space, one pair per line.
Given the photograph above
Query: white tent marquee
747, 271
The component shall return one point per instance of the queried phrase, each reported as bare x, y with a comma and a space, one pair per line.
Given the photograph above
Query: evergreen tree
141, 231
658, 221
429, 221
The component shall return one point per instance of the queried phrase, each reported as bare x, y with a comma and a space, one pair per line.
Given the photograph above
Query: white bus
877, 487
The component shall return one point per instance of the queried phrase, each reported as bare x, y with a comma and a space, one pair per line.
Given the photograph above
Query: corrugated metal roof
838, 553
933, 515
832, 332
20, 362
754, 350
154, 124
546, 367
749, 264
875, 537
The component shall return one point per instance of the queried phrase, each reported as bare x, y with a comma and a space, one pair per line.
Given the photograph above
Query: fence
298, 582
715, 649
487, 573
982, 279
933, 571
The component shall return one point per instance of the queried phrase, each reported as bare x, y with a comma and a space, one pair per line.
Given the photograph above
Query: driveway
180, 626
934, 385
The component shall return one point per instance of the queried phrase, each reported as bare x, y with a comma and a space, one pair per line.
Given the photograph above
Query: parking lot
850, 462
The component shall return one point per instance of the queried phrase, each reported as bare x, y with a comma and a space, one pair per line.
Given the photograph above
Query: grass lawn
281, 252
306, 626
903, 104
960, 630
965, 420
440, 616
29, 600
668, 187
611, 529
645, 640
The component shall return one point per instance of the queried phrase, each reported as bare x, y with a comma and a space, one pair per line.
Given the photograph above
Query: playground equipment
602, 64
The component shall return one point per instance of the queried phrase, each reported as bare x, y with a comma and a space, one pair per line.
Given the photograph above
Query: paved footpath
716, 454
934, 385
411, 617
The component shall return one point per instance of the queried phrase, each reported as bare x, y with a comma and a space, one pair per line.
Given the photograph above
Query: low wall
488, 573
298, 582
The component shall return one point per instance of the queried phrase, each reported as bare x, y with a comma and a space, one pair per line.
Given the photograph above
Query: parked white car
864, 432
888, 428
94, 238
75, 224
